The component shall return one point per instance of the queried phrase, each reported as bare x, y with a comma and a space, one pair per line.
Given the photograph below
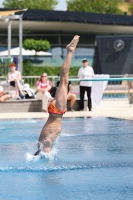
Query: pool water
105, 95
115, 96
92, 159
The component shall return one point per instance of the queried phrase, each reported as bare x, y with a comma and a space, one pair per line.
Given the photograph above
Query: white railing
33, 79
115, 89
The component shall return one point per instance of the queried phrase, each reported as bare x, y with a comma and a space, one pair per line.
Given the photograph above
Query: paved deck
108, 108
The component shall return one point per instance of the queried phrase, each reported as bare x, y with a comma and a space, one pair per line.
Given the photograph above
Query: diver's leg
61, 93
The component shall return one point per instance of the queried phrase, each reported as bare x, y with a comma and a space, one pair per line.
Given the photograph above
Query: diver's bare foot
72, 45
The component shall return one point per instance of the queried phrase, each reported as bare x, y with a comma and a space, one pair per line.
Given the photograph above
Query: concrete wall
28, 105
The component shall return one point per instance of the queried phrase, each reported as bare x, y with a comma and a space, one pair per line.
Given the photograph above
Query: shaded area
113, 55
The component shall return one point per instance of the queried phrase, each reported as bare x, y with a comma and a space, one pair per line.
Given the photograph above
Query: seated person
70, 96
14, 77
43, 87
4, 95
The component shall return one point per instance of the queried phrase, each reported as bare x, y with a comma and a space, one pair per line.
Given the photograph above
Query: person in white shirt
85, 72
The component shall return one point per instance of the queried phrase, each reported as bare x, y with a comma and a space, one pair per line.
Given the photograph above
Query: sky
61, 5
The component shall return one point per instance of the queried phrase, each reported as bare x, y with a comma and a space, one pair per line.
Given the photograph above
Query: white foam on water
49, 156
30, 157
67, 135
91, 165
28, 121
64, 133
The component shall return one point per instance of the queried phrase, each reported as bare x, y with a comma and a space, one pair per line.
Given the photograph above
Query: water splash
30, 157
30, 121
65, 167
49, 156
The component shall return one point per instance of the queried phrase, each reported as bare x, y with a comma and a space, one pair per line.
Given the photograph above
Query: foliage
130, 7
31, 4
29, 70
37, 45
95, 6
4, 66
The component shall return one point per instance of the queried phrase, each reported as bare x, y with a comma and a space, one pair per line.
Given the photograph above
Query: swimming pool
92, 159
115, 96
107, 96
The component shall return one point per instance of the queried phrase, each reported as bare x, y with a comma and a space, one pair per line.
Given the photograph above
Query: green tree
95, 6
37, 45
31, 4
130, 8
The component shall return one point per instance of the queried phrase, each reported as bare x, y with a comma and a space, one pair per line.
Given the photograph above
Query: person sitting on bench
4, 95
14, 77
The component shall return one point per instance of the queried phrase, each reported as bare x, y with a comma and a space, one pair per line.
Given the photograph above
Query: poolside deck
108, 108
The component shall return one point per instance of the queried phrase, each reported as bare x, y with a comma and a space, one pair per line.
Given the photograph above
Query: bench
29, 105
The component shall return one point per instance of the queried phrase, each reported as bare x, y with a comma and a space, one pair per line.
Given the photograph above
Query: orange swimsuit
52, 109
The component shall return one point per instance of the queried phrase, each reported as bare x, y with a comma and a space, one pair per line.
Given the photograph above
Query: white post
9, 38
20, 42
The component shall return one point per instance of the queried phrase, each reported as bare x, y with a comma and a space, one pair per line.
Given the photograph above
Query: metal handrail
103, 79
117, 84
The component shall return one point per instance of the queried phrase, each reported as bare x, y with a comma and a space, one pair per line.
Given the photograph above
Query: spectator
70, 96
85, 72
43, 87
14, 77
4, 95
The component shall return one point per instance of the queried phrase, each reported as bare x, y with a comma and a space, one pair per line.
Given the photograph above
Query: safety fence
114, 88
